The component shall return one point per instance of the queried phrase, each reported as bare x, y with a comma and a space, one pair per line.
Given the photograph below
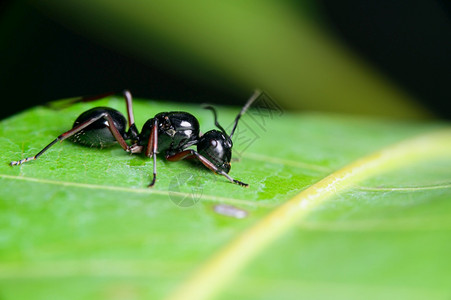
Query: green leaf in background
272, 45
338, 207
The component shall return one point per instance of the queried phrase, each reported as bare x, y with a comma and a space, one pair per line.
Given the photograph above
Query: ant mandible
171, 133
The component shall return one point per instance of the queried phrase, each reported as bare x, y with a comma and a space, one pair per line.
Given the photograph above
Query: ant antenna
216, 117
257, 93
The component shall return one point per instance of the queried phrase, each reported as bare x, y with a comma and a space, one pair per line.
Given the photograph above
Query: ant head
216, 146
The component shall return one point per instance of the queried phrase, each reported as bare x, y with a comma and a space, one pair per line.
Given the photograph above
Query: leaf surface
81, 222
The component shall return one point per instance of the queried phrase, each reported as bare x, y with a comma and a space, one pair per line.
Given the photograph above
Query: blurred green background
385, 58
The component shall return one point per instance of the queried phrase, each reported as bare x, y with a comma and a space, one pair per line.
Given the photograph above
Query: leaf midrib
217, 271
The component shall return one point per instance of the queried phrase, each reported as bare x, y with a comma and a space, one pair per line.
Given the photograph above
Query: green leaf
338, 207
272, 45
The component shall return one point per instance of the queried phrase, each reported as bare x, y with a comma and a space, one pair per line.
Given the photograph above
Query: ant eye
214, 143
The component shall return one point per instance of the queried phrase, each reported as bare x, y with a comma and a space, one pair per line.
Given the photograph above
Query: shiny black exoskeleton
177, 131
98, 134
170, 133
216, 146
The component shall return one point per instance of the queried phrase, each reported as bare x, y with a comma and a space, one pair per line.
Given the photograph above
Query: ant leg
133, 131
73, 131
71, 101
128, 103
191, 153
92, 97
151, 150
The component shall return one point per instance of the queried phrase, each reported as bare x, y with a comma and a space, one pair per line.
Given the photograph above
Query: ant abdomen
98, 134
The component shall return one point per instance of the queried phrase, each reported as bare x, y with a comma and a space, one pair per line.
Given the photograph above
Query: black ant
168, 132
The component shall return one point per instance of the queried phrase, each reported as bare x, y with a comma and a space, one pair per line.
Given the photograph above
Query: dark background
409, 41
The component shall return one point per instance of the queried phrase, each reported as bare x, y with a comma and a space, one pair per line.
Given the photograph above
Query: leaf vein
211, 198
222, 267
